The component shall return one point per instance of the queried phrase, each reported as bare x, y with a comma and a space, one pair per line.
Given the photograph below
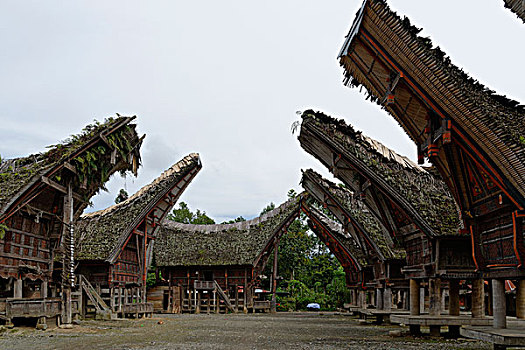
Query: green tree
122, 196
309, 270
268, 208
184, 215
237, 219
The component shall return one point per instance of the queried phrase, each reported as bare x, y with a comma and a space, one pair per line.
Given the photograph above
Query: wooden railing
39, 307
204, 285
92, 294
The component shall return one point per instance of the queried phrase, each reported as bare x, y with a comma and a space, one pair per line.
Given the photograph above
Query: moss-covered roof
99, 233
493, 123
516, 6
89, 153
220, 245
371, 226
337, 231
424, 192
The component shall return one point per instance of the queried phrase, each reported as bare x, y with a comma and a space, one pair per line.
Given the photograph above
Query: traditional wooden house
346, 250
516, 6
218, 267
472, 136
115, 245
368, 233
41, 196
413, 204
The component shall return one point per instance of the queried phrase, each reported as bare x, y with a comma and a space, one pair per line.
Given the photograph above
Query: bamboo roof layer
99, 233
367, 221
99, 140
494, 123
516, 6
338, 233
221, 245
424, 192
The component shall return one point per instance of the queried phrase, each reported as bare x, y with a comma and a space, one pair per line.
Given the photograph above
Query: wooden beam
70, 167
60, 188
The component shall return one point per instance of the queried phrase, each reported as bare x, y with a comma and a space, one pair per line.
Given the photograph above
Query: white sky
222, 78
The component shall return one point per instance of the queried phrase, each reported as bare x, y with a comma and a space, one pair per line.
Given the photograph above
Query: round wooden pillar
520, 299
478, 298
414, 297
453, 297
499, 304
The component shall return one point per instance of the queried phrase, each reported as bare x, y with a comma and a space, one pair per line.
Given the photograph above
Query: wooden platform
513, 335
354, 309
381, 315
441, 320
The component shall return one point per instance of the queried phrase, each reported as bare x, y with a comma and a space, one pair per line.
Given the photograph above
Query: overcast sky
222, 78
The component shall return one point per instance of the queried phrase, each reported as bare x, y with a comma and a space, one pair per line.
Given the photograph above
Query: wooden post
81, 301
119, 302
18, 286
414, 297
415, 304
215, 303
362, 299
387, 299
444, 293
498, 303
273, 303
112, 296
198, 308
244, 292
453, 297
236, 298
478, 298
43, 289
68, 253
520, 299
421, 300
489, 300
453, 305
379, 299
434, 287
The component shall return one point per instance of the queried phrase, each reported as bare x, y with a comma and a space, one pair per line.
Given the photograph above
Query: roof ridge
165, 174
243, 225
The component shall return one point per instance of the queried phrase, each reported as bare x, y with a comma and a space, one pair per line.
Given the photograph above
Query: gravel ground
233, 331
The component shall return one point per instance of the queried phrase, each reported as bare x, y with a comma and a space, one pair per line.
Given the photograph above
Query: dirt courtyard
232, 331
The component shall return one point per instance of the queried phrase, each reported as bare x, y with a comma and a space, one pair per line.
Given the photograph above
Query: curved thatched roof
368, 223
93, 155
423, 195
100, 233
516, 6
428, 82
339, 236
219, 245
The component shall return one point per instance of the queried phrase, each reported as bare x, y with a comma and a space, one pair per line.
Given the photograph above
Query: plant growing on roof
3, 229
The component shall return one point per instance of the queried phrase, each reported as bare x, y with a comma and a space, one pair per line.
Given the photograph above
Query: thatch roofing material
221, 245
17, 176
360, 214
424, 193
99, 233
494, 123
516, 6
336, 230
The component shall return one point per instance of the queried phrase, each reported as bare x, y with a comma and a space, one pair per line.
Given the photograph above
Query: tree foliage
122, 196
184, 215
309, 271
237, 219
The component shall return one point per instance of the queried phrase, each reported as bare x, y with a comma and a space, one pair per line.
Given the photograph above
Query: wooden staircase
224, 297
101, 308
